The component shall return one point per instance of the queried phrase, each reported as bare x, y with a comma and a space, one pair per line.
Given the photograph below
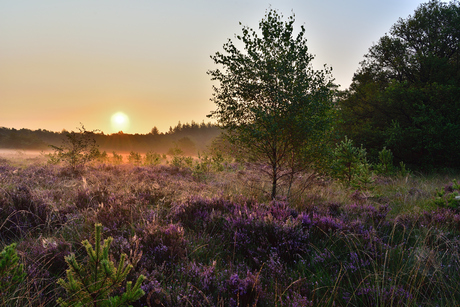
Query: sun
120, 121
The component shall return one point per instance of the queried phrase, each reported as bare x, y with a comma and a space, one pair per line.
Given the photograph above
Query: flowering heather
162, 244
246, 291
218, 241
259, 230
23, 212
197, 213
48, 252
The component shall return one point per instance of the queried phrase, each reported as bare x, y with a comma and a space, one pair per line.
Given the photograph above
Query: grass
215, 239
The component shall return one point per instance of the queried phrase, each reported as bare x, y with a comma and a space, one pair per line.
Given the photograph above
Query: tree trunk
274, 182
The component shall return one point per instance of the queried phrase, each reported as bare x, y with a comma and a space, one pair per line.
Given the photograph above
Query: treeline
406, 94
189, 137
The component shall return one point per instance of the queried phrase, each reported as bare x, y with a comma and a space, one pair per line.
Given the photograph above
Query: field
210, 236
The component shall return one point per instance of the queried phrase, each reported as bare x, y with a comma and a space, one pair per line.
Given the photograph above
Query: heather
204, 235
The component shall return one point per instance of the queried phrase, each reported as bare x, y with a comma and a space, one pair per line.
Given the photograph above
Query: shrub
152, 158
200, 213
448, 197
25, 213
116, 158
245, 292
77, 149
101, 156
135, 158
162, 244
261, 231
178, 158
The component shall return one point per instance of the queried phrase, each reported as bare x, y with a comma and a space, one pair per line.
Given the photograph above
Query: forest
299, 195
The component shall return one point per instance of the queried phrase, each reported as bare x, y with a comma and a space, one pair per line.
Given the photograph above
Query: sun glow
120, 121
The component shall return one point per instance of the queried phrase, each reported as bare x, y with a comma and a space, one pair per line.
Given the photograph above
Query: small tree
116, 158
77, 148
385, 164
152, 158
270, 100
92, 283
135, 158
349, 162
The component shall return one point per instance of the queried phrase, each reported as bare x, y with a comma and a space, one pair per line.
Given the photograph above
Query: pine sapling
93, 282
11, 272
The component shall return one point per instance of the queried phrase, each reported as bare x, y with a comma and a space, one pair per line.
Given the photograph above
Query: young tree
270, 100
92, 283
77, 149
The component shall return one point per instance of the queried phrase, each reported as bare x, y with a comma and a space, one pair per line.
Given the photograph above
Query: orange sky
66, 62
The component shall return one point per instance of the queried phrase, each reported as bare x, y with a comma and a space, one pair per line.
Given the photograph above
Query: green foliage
77, 149
175, 151
364, 177
178, 158
385, 164
403, 171
202, 166
11, 272
350, 164
116, 158
135, 158
217, 161
53, 158
270, 100
152, 158
209, 162
405, 95
101, 156
448, 197
91, 283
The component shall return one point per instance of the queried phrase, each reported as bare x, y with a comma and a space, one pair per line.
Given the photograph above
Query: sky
119, 65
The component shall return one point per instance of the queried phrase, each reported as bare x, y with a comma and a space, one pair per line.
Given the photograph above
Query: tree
155, 131
270, 100
77, 148
406, 95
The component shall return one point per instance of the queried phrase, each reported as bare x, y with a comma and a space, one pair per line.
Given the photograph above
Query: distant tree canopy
198, 137
406, 95
27, 139
270, 100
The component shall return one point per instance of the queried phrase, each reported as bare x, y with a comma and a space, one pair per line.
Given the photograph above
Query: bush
25, 213
448, 197
77, 149
152, 158
116, 158
260, 231
135, 158
101, 156
162, 245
